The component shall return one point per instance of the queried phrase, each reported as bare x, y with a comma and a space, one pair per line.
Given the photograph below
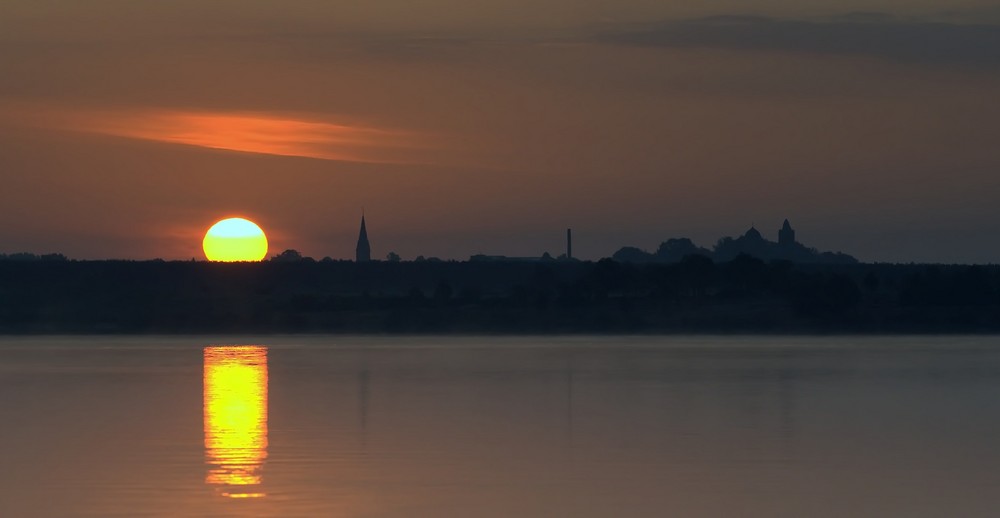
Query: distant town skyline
671, 249
127, 128
363, 251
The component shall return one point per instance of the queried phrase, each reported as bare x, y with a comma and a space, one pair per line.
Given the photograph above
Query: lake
333, 426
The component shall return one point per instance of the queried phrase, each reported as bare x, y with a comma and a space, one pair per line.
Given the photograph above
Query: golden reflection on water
236, 419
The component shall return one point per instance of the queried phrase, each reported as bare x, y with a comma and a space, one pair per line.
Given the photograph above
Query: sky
128, 128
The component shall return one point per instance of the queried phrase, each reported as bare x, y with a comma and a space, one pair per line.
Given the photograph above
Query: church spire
786, 236
363, 253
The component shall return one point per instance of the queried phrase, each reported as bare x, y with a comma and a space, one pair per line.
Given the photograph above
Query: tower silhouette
363, 253
786, 236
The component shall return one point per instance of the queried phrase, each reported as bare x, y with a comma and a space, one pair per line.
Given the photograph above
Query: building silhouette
751, 243
786, 236
363, 253
786, 249
753, 235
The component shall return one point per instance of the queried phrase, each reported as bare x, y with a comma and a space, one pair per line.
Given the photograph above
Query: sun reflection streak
236, 419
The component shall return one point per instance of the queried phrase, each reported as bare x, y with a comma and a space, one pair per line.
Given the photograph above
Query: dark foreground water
500, 427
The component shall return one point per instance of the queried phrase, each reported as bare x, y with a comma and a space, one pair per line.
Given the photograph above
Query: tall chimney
569, 243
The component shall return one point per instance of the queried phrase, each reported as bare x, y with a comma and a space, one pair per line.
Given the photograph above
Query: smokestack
569, 243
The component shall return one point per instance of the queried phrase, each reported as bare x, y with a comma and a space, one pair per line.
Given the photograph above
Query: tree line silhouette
694, 294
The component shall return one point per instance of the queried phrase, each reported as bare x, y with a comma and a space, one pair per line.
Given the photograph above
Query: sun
235, 239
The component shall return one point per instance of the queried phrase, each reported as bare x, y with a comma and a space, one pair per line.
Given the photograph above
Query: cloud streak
246, 132
865, 34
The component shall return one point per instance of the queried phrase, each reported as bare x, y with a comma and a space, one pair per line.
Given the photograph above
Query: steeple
786, 236
363, 253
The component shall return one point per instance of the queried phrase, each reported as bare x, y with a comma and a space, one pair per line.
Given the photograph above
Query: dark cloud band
866, 34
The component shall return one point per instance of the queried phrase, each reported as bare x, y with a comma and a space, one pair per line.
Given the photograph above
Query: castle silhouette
752, 243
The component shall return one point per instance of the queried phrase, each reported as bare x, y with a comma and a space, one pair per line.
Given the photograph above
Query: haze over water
499, 427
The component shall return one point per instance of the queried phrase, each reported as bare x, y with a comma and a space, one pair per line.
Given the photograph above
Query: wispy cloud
247, 132
869, 34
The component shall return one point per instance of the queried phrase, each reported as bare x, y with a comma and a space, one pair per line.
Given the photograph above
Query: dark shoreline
692, 297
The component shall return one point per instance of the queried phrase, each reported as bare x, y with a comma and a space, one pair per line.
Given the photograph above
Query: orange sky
126, 129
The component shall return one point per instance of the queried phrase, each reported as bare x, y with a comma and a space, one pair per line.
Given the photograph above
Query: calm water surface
499, 427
